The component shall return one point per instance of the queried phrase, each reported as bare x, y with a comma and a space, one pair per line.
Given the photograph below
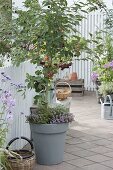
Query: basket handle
110, 99
22, 137
63, 83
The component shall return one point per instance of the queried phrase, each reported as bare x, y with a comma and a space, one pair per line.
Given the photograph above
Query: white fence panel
93, 22
19, 127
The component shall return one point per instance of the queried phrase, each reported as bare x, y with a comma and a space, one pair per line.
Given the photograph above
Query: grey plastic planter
49, 141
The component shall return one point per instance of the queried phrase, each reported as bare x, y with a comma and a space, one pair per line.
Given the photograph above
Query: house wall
93, 22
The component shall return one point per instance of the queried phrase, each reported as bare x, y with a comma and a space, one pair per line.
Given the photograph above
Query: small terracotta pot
73, 76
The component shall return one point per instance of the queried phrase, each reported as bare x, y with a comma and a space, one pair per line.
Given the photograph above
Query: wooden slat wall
93, 22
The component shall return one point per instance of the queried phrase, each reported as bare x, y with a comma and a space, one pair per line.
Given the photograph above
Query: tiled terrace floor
89, 143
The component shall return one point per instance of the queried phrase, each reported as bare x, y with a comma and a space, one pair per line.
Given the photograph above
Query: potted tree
46, 34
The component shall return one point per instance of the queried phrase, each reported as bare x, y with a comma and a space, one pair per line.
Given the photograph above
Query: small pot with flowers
50, 40
103, 78
106, 76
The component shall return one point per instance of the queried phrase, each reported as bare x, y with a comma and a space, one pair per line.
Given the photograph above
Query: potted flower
104, 77
46, 34
103, 63
48, 127
106, 89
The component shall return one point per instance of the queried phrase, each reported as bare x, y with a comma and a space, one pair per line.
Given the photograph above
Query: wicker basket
28, 158
64, 92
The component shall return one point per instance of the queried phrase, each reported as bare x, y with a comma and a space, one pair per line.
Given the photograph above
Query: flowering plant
52, 115
106, 88
7, 105
103, 72
8, 102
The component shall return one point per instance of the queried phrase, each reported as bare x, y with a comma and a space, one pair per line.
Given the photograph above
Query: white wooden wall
19, 127
93, 22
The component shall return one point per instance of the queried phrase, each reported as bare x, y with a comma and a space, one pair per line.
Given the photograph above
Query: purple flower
111, 64
10, 102
62, 118
94, 76
107, 65
9, 116
7, 99
21, 113
5, 76
3, 80
18, 86
2, 73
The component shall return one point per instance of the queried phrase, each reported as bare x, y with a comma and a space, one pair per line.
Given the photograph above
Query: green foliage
106, 88
46, 34
96, 4
43, 115
103, 47
47, 28
5, 28
103, 57
3, 134
109, 21
102, 54
50, 115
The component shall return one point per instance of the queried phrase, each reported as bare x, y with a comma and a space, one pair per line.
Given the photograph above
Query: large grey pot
49, 141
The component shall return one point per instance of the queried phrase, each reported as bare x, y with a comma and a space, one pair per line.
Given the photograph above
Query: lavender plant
6, 116
7, 105
94, 76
